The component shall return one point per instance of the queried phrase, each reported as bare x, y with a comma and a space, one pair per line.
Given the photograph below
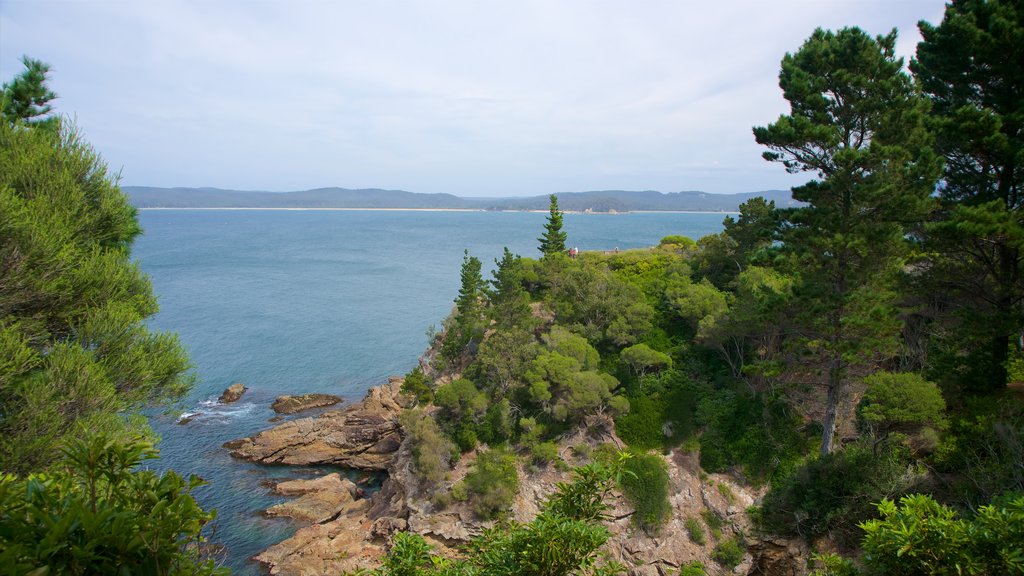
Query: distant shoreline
440, 210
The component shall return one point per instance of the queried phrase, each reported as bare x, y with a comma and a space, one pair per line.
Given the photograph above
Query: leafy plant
97, 514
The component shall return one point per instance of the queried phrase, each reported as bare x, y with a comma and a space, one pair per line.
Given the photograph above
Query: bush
98, 516
431, 451
493, 482
729, 552
415, 383
545, 453
645, 484
832, 493
696, 532
921, 536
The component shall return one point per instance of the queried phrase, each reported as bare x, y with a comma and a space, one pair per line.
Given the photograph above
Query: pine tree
970, 68
858, 124
27, 98
553, 240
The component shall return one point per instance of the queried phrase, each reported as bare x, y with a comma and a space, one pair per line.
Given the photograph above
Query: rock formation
364, 435
232, 393
291, 404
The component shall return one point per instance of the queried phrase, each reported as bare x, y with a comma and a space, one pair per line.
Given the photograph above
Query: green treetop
74, 347
27, 98
553, 240
856, 122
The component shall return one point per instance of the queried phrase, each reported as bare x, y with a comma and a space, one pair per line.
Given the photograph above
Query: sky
473, 98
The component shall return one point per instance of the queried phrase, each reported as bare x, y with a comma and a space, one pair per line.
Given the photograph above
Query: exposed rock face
358, 536
232, 393
320, 500
292, 404
364, 435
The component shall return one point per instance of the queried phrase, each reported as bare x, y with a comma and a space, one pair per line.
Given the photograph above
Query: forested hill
596, 201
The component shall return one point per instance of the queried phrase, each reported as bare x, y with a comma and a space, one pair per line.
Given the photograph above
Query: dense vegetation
77, 361
849, 353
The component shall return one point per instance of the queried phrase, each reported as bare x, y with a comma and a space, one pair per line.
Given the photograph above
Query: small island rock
292, 404
232, 393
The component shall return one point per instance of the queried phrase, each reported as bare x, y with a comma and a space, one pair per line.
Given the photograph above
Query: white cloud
481, 98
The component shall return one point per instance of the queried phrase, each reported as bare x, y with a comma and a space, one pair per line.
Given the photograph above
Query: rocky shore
347, 531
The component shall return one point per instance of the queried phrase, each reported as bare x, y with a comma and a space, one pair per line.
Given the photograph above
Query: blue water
291, 301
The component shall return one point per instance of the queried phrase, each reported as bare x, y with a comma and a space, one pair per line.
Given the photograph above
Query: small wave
212, 411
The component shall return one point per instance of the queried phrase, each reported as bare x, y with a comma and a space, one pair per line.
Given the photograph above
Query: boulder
292, 404
232, 393
365, 435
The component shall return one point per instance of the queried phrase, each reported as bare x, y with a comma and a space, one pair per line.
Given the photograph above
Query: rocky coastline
347, 530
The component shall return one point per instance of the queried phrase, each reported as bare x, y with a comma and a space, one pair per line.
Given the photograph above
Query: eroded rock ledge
363, 436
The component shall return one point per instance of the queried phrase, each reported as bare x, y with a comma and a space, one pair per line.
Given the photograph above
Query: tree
642, 358
900, 403
466, 328
858, 124
969, 67
553, 240
27, 98
74, 347
98, 513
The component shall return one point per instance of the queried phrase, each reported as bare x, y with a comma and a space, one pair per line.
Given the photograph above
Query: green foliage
415, 384
27, 98
566, 392
431, 451
902, 402
984, 448
553, 240
563, 539
642, 359
493, 481
759, 433
694, 568
968, 68
95, 514
502, 360
662, 412
75, 347
572, 346
646, 486
595, 303
832, 493
695, 530
857, 121
729, 552
545, 453
921, 536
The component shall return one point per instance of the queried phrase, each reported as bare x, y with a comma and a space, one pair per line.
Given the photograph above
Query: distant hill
597, 201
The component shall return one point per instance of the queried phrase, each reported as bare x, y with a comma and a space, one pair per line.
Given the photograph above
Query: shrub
431, 451
729, 552
645, 484
921, 536
714, 523
545, 453
101, 515
415, 383
696, 532
832, 493
493, 482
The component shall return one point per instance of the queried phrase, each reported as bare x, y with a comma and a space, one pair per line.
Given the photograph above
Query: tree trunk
835, 392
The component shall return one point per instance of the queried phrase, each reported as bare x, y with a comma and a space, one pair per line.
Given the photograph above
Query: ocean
296, 301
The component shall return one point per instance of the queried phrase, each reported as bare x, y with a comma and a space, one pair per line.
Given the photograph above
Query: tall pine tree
857, 123
553, 240
970, 67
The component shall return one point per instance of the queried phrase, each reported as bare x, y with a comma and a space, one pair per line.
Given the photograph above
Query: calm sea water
289, 301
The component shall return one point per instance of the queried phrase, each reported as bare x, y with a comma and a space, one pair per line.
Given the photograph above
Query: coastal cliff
347, 531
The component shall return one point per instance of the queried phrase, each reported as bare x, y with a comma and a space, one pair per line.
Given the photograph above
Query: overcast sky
475, 98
